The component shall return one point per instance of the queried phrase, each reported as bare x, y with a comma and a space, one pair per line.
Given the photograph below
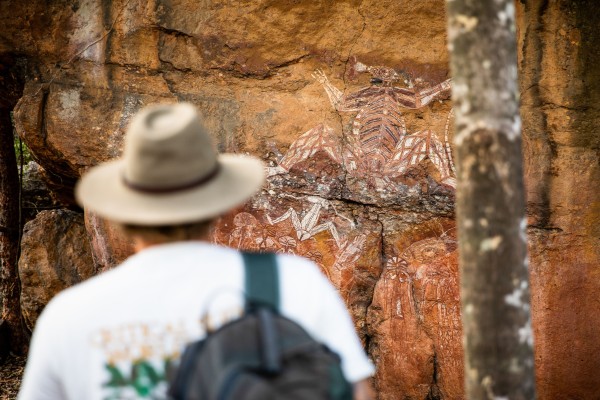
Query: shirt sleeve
41, 379
337, 331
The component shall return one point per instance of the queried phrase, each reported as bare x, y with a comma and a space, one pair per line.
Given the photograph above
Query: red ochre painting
414, 319
395, 264
397, 271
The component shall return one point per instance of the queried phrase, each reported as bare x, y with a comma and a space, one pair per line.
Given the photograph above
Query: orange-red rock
55, 254
251, 67
560, 95
69, 129
110, 246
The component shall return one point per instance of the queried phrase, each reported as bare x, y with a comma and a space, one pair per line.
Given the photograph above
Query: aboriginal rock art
417, 303
433, 266
310, 222
428, 267
308, 225
379, 147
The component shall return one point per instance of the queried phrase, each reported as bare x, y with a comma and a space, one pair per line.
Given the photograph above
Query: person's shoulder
76, 295
300, 267
87, 292
140, 265
287, 260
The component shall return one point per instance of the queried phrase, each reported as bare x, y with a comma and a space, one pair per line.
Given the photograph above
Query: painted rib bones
379, 146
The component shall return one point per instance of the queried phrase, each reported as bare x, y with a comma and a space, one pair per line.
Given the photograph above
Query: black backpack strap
262, 280
262, 294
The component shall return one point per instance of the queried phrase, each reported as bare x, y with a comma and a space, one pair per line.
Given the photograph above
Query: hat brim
103, 191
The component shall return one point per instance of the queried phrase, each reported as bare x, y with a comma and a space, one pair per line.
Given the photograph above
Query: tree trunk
490, 203
9, 218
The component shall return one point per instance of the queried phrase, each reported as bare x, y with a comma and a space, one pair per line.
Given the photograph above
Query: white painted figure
379, 146
307, 227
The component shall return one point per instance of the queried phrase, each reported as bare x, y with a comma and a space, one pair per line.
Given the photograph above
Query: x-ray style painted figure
379, 147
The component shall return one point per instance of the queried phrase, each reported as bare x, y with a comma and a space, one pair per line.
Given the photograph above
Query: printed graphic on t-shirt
137, 358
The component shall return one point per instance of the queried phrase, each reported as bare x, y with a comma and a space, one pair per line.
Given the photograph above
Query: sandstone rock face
50, 117
347, 102
109, 245
35, 195
37, 192
561, 93
55, 254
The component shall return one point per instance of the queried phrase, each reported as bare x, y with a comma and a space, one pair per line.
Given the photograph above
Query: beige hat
169, 173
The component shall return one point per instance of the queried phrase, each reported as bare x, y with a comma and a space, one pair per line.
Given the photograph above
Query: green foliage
21, 150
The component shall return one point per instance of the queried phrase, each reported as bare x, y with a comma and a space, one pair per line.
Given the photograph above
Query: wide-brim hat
169, 173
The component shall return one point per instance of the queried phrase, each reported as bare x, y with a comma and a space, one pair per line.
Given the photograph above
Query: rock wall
348, 104
560, 86
53, 257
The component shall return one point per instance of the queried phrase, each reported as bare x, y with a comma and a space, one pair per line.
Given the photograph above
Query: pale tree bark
490, 203
16, 340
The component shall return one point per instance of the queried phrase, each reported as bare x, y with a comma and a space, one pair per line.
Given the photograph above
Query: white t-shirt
112, 336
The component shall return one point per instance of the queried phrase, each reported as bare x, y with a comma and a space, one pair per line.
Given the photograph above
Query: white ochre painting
377, 150
379, 145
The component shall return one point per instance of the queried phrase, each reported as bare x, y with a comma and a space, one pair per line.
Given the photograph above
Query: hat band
173, 189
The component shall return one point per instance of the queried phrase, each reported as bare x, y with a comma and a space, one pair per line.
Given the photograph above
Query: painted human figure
434, 265
306, 225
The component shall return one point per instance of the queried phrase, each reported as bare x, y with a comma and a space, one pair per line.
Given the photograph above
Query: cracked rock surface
345, 187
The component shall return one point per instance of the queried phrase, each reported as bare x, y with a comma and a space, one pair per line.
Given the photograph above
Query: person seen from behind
117, 335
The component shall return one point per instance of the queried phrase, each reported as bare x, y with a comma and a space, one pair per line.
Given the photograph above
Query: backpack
260, 355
